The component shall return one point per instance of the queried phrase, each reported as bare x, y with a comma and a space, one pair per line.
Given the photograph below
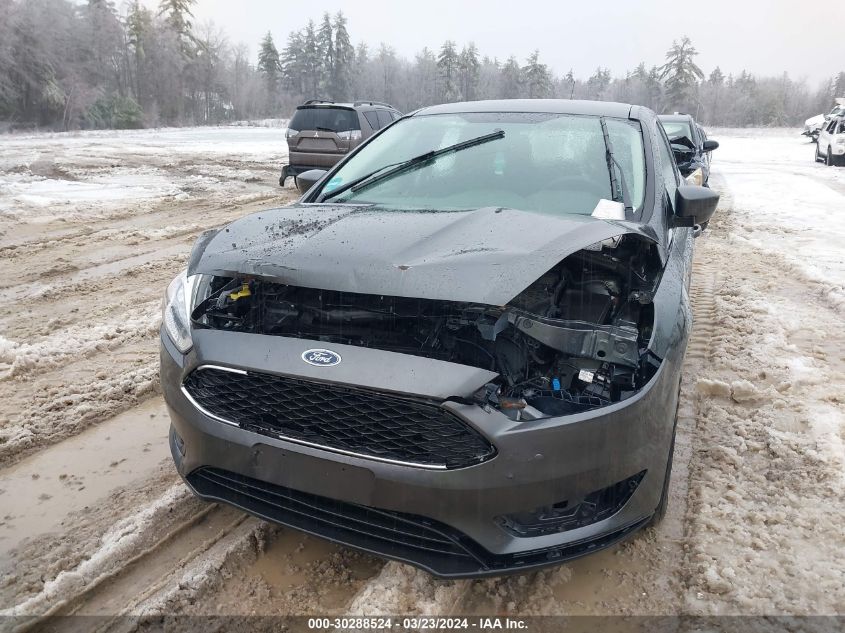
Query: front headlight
177, 305
696, 177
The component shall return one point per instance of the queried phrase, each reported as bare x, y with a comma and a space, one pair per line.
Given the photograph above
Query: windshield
327, 119
543, 162
677, 129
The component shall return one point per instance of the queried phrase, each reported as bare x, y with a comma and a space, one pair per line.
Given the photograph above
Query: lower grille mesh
387, 533
406, 537
346, 419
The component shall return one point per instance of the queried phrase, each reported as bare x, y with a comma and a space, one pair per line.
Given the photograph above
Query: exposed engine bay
575, 339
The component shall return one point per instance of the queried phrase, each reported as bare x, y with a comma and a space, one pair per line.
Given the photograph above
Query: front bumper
538, 463
292, 171
301, 162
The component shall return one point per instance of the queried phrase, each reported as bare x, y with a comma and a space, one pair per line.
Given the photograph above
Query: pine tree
138, 24
425, 84
292, 62
511, 86
447, 64
680, 73
344, 57
311, 61
570, 83
325, 45
362, 54
538, 79
177, 15
469, 69
104, 33
839, 85
269, 65
716, 77
598, 83
386, 58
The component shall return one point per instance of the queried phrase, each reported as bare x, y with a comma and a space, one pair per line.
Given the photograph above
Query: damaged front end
575, 339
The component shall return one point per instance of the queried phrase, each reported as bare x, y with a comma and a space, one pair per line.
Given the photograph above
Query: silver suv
320, 133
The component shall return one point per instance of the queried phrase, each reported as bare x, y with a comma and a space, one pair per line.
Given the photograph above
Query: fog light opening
563, 515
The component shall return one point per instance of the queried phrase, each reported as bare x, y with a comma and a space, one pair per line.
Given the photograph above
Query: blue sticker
334, 183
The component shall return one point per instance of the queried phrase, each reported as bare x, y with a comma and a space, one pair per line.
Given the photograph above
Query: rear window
324, 119
678, 129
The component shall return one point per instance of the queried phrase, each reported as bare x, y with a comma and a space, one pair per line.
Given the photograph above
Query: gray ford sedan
460, 349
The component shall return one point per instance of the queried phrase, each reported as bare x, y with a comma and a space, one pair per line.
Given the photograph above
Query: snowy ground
94, 225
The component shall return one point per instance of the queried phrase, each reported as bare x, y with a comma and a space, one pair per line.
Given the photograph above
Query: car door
826, 136
679, 239
705, 156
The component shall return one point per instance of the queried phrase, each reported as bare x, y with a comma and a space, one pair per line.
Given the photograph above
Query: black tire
829, 159
818, 156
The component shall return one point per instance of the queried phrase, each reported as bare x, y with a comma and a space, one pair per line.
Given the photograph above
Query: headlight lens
177, 305
696, 177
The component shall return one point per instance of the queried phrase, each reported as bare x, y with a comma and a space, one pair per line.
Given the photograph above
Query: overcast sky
803, 38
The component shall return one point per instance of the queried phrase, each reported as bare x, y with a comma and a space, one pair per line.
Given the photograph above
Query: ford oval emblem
321, 357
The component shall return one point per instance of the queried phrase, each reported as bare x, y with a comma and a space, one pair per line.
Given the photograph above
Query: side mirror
694, 205
710, 145
308, 179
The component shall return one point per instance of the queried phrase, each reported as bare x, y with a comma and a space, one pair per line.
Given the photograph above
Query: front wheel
828, 160
818, 155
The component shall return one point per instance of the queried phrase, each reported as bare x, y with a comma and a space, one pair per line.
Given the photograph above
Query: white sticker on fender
609, 210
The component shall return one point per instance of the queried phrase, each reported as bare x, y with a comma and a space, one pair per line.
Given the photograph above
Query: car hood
487, 255
815, 120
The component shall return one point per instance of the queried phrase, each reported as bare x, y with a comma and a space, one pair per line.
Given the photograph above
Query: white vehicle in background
831, 142
814, 125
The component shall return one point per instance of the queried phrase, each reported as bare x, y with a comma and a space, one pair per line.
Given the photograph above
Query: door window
384, 118
667, 165
372, 119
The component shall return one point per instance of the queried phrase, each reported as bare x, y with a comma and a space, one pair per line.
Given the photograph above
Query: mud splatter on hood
486, 255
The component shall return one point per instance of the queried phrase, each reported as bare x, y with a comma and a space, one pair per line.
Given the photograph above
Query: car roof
319, 103
556, 106
675, 117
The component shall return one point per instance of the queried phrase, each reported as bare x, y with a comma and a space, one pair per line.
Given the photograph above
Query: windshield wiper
619, 186
380, 174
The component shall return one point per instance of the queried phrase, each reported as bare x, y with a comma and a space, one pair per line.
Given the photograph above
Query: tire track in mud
702, 298
57, 332
143, 574
169, 562
769, 420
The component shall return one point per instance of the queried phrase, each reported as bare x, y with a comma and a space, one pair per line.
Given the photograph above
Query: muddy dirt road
95, 521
